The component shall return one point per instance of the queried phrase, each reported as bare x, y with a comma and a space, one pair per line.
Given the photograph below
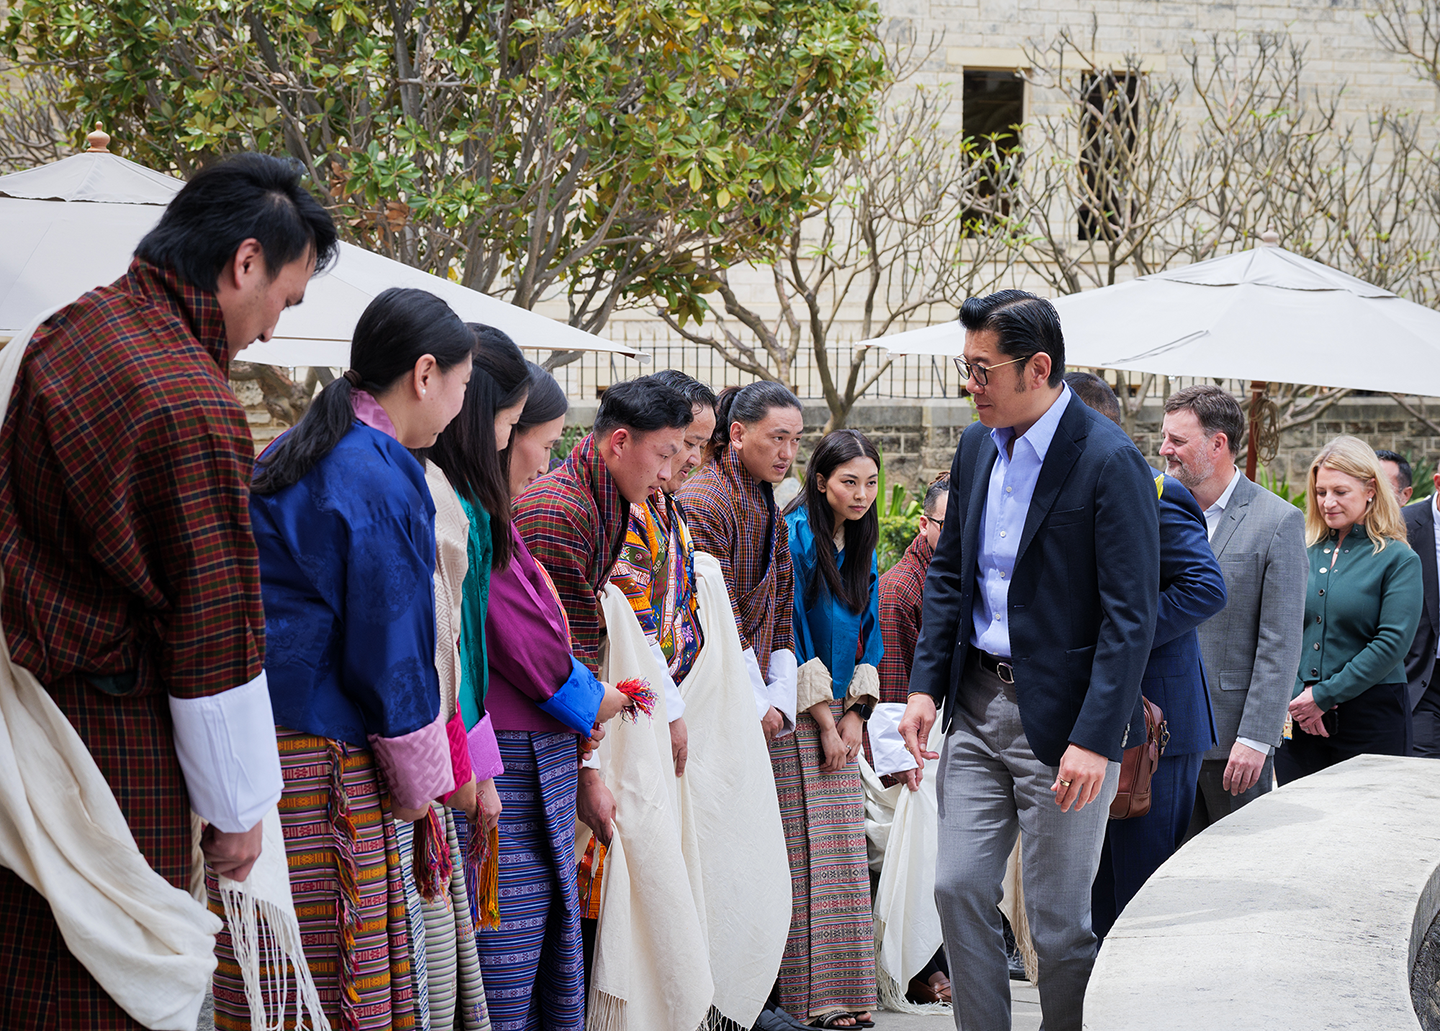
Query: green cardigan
475, 601
1360, 616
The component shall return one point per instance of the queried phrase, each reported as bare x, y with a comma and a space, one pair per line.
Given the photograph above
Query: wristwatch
863, 710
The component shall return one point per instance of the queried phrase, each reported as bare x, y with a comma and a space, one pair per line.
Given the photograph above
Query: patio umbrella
73, 225
1265, 315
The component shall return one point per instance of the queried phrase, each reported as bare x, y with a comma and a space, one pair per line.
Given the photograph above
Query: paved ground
1025, 1000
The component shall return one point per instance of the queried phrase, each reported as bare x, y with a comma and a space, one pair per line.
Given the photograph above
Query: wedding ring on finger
1064, 783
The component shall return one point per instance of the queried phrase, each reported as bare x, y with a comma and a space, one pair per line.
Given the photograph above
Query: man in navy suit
1423, 529
1192, 589
1039, 611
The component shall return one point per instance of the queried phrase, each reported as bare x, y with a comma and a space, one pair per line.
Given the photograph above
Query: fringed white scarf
265, 934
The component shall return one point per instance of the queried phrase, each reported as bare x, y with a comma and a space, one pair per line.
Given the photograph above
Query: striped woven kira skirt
829, 961
349, 895
533, 962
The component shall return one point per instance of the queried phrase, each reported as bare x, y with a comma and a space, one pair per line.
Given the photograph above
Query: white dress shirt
1007, 503
1214, 513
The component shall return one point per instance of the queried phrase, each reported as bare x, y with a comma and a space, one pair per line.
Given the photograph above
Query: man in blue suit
1192, 589
1039, 612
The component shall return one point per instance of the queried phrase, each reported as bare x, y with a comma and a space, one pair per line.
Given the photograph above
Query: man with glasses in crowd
1040, 606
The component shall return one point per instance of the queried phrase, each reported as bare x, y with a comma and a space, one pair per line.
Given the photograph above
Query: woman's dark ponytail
395, 330
748, 405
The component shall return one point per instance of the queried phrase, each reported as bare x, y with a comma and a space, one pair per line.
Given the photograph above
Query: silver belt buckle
1005, 672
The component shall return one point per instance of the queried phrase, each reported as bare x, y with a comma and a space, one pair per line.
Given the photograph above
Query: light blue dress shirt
1007, 503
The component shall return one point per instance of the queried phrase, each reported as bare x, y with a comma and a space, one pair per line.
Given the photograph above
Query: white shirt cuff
783, 684
757, 683
228, 753
674, 703
1258, 746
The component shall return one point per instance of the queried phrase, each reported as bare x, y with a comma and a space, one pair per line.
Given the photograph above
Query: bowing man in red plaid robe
574, 520
730, 506
132, 588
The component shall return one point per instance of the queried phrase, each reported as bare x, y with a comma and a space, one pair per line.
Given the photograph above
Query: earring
422, 391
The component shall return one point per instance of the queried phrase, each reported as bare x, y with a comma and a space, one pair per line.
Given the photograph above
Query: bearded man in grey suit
1251, 648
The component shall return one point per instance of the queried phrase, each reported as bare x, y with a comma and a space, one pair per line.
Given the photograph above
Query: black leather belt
995, 664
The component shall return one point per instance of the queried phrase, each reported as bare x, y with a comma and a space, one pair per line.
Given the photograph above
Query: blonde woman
1362, 605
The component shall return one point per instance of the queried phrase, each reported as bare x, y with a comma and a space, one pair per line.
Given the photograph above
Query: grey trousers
990, 787
1213, 802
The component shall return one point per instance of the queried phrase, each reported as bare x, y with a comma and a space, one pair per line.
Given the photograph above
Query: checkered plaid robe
901, 591
574, 519
728, 510
130, 575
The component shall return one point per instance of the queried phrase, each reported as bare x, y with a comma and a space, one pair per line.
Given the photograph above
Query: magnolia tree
572, 149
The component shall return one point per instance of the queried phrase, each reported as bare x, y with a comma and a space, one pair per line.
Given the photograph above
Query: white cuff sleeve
228, 753
757, 684
783, 684
1259, 746
592, 763
674, 704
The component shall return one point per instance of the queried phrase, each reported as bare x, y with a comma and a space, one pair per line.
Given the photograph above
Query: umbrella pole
1257, 393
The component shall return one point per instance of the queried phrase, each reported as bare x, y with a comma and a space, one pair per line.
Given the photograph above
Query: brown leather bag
1138, 765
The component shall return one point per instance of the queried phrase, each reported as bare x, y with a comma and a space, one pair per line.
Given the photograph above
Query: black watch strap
863, 710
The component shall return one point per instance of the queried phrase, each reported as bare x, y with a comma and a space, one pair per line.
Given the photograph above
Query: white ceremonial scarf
147, 943
651, 968
902, 827
731, 832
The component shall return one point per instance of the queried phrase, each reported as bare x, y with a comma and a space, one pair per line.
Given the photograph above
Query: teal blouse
1360, 616
475, 602
840, 638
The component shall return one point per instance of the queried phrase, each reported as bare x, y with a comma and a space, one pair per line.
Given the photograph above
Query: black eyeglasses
982, 372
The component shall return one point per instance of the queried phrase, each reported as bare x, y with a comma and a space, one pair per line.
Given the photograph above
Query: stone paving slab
1025, 1014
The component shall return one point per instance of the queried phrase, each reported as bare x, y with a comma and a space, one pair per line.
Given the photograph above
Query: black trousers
1375, 723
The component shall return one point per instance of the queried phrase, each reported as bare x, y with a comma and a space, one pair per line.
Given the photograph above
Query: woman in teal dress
827, 975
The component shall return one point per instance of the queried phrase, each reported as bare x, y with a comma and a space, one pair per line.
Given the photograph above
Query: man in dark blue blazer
1040, 606
1192, 589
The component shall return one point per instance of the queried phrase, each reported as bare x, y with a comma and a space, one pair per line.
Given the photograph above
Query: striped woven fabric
444, 943
829, 961
345, 877
534, 974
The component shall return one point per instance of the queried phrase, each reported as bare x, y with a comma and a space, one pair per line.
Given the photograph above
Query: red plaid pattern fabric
130, 575
902, 590
727, 510
574, 519
124, 491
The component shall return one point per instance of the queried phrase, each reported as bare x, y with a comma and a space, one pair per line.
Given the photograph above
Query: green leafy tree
603, 152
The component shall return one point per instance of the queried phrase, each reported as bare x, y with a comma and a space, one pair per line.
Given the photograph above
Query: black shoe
1017, 966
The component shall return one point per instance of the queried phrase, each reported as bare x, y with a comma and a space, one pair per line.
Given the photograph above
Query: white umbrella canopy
73, 225
1264, 314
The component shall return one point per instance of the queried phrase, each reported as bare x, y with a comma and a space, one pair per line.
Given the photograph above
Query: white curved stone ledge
1305, 909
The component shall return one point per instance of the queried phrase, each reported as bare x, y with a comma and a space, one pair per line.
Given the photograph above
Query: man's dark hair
1216, 410
1026, 325
642, 405
690, 388
939, 487
1096, 393
244, 197
1407, 475
747, 405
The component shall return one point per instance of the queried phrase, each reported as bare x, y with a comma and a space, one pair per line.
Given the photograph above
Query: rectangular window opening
1109, 125
992, 110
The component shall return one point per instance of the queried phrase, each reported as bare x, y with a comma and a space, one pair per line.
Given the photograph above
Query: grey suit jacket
1251, 647
1420, 662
